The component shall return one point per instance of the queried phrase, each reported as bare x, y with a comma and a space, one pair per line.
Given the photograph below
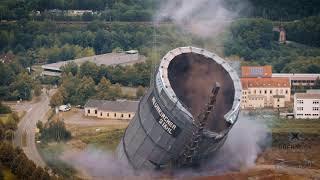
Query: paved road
27, 127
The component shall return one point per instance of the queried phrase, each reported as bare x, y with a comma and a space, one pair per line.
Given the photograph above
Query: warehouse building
307, 105
110, 59
120, 109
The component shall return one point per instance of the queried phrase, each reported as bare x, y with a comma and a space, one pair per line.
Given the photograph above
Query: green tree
86, 89
140, 91
70, 67
23, 84
56, 99
103, 89
37, 90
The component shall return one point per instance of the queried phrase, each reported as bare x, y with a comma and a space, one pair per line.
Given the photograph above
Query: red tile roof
265, 82
256, 71
307, 96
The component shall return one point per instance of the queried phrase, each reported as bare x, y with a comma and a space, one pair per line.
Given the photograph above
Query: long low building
120, 109
296, 80
110, 59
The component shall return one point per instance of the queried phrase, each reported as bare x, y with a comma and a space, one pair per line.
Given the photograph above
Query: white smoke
245, 141
97, 164
204, 18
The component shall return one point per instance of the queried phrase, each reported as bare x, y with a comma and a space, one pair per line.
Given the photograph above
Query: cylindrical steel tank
165, 122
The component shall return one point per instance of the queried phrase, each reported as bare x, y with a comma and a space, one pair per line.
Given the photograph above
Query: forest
31, 42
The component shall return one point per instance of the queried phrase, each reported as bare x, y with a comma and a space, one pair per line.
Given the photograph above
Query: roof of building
103, 59
307, 95
114, 106
264, 82
295, 75
256, 71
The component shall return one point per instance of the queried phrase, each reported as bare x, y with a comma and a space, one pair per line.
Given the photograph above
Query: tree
86, 89
140, 91
70, 67
103, 89
90, 69
23, 84
37, 90
56, 99
115, 92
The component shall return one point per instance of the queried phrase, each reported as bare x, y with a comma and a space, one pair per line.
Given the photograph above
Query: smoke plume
244, 143
204, 18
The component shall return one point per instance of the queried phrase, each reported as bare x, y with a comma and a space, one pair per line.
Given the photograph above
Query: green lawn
51, 153
106, 139
303, 126
7, 175
5, 118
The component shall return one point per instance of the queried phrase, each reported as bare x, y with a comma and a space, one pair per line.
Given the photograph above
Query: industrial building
307, 105
110, 59
265, 92
120, 109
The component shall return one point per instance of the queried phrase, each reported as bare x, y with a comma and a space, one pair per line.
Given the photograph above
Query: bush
4, 109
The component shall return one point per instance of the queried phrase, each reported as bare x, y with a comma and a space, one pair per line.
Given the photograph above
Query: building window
300, 108
108, 114
286, 91
115, 114
129, 115
281, 91
315, 108
315, 114
270, 91
88, 111
265, 91
278, 100
122, 115
300, 101
95, 111
315, 102
101, 114
255, 91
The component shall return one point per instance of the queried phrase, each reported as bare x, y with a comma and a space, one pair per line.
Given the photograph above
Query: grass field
131, 91
51, 153
107, 139
290, 125
4, 118
7, 175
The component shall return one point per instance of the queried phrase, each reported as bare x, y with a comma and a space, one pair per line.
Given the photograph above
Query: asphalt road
35, 111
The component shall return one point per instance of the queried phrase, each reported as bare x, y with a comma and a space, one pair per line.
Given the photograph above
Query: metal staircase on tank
191, 152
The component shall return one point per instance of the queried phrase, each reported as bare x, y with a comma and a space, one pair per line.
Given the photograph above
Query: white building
121, 109
307, 105
265, 92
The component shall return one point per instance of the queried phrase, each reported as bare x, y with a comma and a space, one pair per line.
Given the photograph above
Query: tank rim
163, 82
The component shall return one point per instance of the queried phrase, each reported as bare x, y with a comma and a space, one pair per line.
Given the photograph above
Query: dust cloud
244, 143
203, 18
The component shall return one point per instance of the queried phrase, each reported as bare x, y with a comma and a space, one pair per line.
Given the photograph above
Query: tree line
256, 43
14, 157
99, 82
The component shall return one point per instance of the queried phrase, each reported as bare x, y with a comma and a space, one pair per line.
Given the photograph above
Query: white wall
306, 108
